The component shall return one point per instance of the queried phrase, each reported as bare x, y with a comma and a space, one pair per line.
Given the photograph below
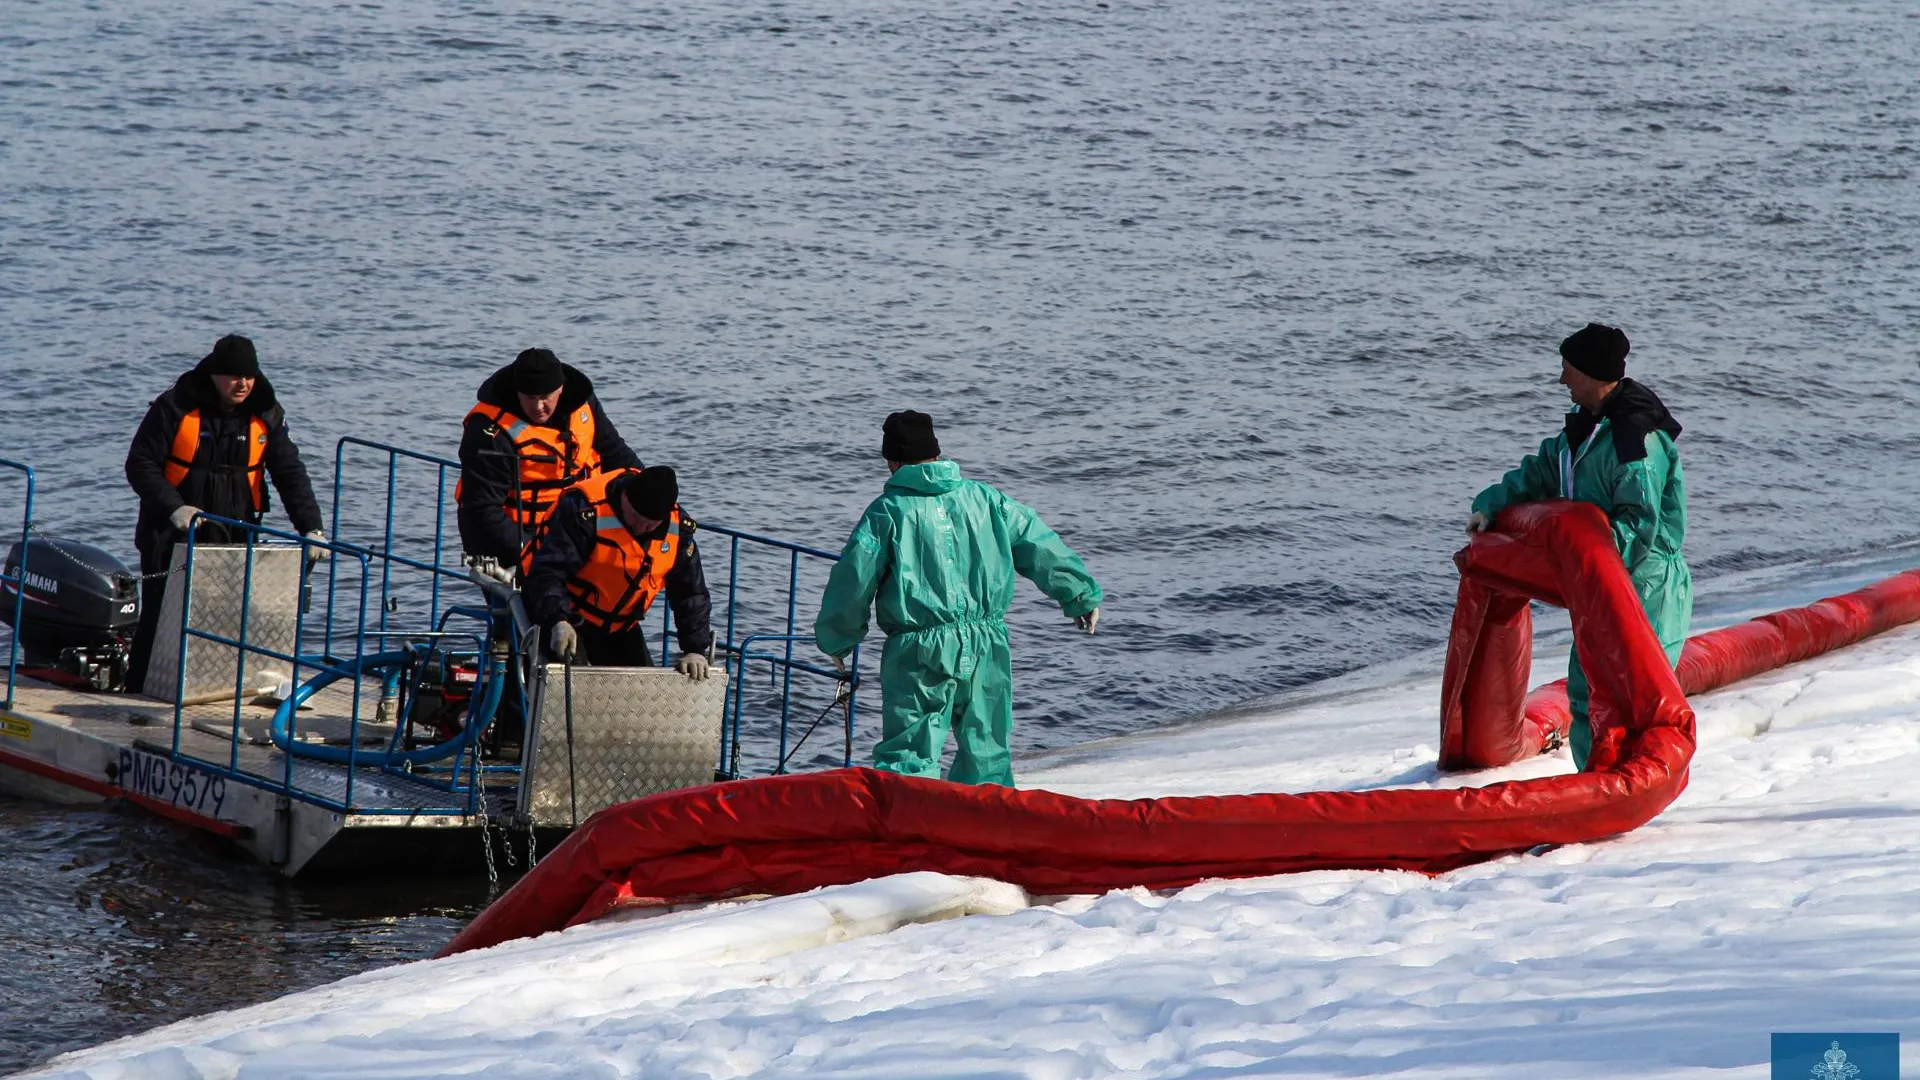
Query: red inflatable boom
1488, 720
788, 834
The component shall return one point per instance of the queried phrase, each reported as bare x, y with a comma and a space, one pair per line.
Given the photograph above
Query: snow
1780, 893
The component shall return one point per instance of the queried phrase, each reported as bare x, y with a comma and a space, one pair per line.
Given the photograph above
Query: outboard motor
81, 608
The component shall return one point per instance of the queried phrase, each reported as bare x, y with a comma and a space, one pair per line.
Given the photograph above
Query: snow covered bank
1781, 892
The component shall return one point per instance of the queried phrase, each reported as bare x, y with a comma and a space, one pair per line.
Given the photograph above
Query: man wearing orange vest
536, 430
209, 446
614, 544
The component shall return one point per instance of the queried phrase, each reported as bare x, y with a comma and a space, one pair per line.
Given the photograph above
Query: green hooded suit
938, 553
1624, 461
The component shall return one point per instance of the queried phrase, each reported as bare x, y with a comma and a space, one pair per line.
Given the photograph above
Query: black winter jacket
489, 465
564, 548
223, 489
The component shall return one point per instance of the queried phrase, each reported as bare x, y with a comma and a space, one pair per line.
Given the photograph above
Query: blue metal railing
737, 694
437, 568
329, 664
18, 578
382, 571
783, 665
737, 613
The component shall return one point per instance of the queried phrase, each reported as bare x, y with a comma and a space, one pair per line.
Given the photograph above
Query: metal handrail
745, 655
437, 568
727, 640
771, 542
253, 532
18, 578
325, 664
341, 651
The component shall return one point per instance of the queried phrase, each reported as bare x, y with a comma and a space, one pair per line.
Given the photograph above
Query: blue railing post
731, 738
299, 628
666, 628
439, 537
386, 543
339, 470
240, 654
359, 657
19, 578
786, 686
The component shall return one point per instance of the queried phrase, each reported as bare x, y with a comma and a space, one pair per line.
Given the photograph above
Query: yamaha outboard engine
81, 607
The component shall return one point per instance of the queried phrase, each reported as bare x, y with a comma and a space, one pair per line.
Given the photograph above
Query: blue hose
479, 715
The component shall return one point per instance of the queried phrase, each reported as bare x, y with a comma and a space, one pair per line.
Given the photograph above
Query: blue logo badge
1836, 1055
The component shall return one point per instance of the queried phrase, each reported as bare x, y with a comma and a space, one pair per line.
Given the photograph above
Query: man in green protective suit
939, 553
1617, 452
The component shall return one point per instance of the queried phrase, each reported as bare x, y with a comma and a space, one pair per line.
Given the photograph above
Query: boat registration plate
188, 787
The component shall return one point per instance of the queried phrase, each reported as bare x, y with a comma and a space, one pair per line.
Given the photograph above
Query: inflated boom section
787, 834
1486, 721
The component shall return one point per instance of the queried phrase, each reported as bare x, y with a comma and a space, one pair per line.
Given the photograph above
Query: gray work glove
693, 665
563, 642
182, 519
839, 664
1478, 522
1088, 622
316, 553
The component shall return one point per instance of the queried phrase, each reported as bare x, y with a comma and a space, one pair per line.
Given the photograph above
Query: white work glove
693, 665
317, 554
563, 642
1478, 522
839, 664
1088, 622
182, 519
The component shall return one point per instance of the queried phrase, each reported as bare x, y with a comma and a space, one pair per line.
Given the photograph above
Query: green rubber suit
1645, 500
939, 553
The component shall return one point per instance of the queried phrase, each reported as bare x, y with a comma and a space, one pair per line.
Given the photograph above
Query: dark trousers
154, 558
626, 648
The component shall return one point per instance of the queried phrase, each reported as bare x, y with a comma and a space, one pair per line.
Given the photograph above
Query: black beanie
1597, 351
651, 492
232, 355
908, 437
537, 372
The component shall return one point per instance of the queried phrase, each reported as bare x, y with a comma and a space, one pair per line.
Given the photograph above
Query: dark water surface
1248, 299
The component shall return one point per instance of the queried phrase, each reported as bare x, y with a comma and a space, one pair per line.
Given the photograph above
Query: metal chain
506, 845
34, 527
533, 855
486, 844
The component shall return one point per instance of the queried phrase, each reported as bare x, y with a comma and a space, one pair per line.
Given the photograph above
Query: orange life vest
186, 448
552, 459
622, 575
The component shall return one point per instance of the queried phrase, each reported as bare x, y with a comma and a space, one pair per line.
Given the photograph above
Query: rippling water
1248, 299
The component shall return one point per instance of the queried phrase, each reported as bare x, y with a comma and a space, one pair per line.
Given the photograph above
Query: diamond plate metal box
636, 731
219, 593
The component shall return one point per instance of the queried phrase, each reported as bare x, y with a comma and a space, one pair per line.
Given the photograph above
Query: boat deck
207, 735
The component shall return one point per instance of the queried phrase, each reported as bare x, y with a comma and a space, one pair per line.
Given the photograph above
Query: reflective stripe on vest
552, 459
623, 575
182, 457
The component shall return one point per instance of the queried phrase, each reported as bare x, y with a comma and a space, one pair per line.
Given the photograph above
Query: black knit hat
232, 355
908, 437
538, 372
1597, 351
651, 492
